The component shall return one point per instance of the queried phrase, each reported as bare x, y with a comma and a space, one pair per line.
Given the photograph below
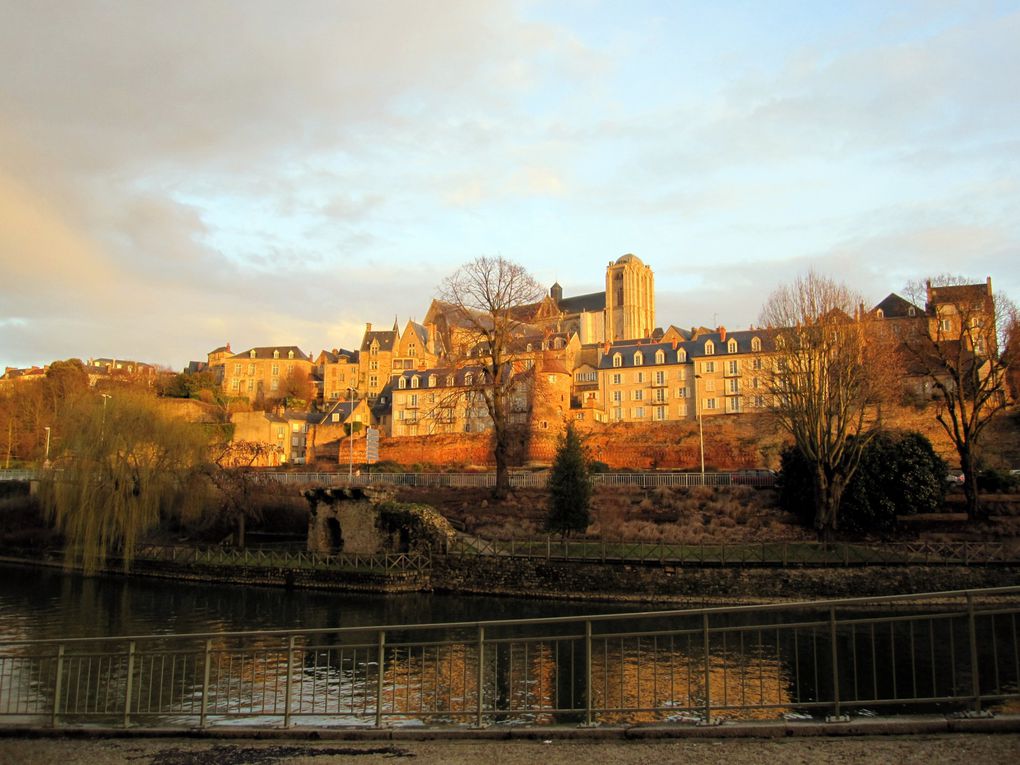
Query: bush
899, 474
569, 488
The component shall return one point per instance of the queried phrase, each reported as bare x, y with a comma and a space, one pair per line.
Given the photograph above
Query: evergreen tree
569, 488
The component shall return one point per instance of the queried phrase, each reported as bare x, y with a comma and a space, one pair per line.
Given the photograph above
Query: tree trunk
828, 495
970, 487
240, 530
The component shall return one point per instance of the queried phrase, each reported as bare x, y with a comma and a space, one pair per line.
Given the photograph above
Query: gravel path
975, 749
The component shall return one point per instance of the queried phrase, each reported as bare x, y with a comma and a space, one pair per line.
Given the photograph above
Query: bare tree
961, 349
232, 475
490, 298
830, 368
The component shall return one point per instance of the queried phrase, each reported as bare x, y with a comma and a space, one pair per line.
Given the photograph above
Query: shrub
569, 488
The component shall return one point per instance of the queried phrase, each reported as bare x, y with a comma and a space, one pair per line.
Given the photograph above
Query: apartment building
264, 373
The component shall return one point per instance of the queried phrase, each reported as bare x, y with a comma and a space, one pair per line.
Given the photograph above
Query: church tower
630, 299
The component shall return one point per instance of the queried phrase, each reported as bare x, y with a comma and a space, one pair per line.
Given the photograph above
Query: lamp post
102, 424
350, 436
46, 461
701, 431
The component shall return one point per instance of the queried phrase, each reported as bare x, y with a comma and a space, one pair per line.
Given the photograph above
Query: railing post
975, 680
205, 684
590, 702
128, 685
287, 682
56, 686
380, 679
548, 546
708, 672
846, 554
834, 654
786, 554
481, 675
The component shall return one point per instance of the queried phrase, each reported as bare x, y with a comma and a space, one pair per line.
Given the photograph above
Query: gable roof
896, 307
386, 339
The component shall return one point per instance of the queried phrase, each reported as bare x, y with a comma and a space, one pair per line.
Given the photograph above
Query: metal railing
18, 475
290, 559
518, 480
933, 652
780, 554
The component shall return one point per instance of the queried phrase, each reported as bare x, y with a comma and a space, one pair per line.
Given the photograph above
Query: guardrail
18, 475
295, 559
741, 554
519, 480
950, 650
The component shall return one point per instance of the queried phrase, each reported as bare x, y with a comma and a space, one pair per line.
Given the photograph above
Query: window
414, 381
660, 357
617, 378
681, 392
759, 402
276, 370
290, 354
660, 413
709, 403
754, 383
274, 384
617, 414
373, 365
639, 358
910, 311
432, 381
755, 344
251, 353
733, 404
731, 367
558, 343
637, 395
336, 417
449, 381
708, 366
586, 377
709, 348
617, 395
374, 350
412, 401
235, 384
945, 325
661, 394
639, 377
469, 379
681, 356
251, 369
617, 360
276, 353
734, 385
251, 384
638, 413
237, 369
295, 427
731, 345
530, 348
660, 377
402, 383
412, 350
373, 382
709, 384
756, 364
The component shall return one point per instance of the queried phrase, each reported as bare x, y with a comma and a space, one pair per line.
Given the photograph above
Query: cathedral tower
630, 299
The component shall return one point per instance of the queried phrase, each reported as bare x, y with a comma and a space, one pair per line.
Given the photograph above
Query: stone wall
345, 520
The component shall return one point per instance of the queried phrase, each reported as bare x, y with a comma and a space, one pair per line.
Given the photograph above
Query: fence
18, 475
293, 559
947, 651
742, 554
521, 480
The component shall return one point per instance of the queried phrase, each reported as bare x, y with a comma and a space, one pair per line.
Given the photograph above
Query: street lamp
102, 424
46, 461
701, 431
350, 436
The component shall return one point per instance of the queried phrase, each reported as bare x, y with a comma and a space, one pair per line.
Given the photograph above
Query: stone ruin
367, 521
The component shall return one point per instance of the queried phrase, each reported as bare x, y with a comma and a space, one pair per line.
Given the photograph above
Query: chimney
722, 334
368, 326
676, 343
228, 345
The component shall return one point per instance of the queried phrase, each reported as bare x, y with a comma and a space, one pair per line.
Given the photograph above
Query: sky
179, 175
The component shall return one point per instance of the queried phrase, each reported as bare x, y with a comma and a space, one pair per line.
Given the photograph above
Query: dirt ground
986, 749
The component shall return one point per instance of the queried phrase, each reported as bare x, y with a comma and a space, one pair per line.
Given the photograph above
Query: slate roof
693, 348
959, 293
420, 332
593, 301
386, 339
895, 307
266, 352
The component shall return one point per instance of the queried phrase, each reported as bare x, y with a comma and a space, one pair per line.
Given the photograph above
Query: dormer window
402, 383
276, 354
251, 353
432, 381
468, 379
756, 344
660, 356
558, 343
880, 313
709, 348
910, 311
731, 346
290, 354
681, 355
617, 360
414, 381
639, 358
530, 348
449, 381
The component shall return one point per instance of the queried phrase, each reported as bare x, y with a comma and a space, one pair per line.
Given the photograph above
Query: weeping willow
123, 466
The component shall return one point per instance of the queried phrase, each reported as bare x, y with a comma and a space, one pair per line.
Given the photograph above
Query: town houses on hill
595, 359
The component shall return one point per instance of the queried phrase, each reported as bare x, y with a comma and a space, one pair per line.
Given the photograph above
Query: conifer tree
569, 488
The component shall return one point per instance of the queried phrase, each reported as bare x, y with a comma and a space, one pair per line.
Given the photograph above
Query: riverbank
648, 581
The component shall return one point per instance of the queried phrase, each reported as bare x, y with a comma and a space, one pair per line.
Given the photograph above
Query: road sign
372, 445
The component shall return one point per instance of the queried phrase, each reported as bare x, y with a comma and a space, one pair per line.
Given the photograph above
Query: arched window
660, 356
432, 381
469, 379
276, 354
290, 354
731, 345
414, 381
709, 348
449, 381
402, 383
251, 353
681, 355
617, 360
756, 344
530, 348
639, 358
